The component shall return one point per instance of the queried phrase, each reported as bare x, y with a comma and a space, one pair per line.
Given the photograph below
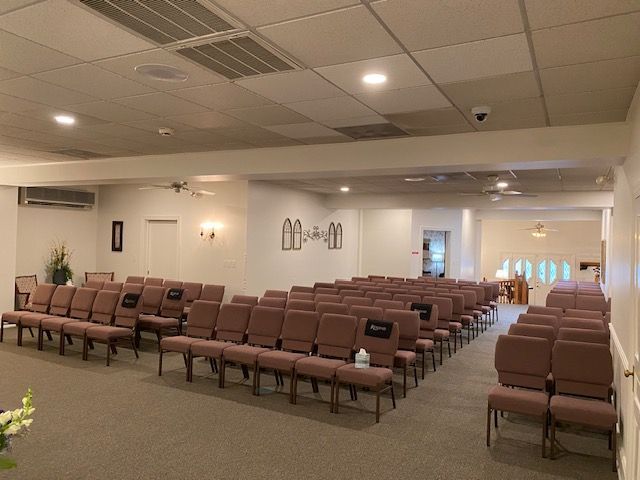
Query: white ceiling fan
539, 230
179, 187
497, 190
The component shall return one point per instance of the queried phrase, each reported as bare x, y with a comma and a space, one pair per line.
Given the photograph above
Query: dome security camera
481, 113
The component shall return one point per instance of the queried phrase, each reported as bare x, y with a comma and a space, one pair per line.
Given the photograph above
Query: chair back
132, 288
301, 289
151, 299
25, 285
41, 297
531, 330
302, 296
95, 284
538, 319
326, 307
428, 314
202, 318
347, 292
104, 306
408, 327
584, 369
362, 301
172, 284
153, 282
561, 300
591, 302
98, 276
299, 330
173, 302
388, 304
213, 293
276, 294
584, 323
583, 335
265, 326
378, 295
326, 291
61, 300
194, 289
82, 303
275, 302
128, 310
246, 299
361, 311
523, 361
305, 305
575, 313
380, 339
112, 286
555, 311
327, 298
336, 335
407, 298
135, 279
233, 319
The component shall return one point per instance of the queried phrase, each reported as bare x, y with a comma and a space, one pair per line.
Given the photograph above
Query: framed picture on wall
116, 236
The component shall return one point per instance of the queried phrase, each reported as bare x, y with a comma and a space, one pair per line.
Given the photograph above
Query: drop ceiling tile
154, 124
492, 89
222, 96
13, 104
259, 12
6, 74
612, 99
23, 56
161, 104
109, 111
26, 122
117, 130
327, 139
602, 39
405, 100
304, 130
400, 70
73, 30
421, 24
203, 137
249, 134
294, 86
336, 37
94, 81
125, 66
440, 130
484, 58
9, 5
549, 13
428, 118
537, 121
350, 122
525, 110
585, 77
331, 109
39, 91
46, 114
276, 142
589, 117
208, 120
268, 115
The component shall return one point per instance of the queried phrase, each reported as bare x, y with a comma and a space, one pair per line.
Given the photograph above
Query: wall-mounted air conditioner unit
56, 197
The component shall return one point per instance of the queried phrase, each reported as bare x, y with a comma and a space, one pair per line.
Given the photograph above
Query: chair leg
61, 344
256, 378
294, 389
223, 367
455, 343
333, 391
1, 331
544, 435
378, 405
290, 386
19, 338
441, 347
488, 424
134, 348
336, 402
159, 337
433, 357
495, 418
160, 363
314, 385
461, 336
415, 373
614, 450
404, 383
449, 347
423, 360
40, 339
108, 353
552, 454
189, 366
393, 396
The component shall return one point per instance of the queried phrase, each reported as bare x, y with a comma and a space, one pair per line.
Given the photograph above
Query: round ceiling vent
163, 73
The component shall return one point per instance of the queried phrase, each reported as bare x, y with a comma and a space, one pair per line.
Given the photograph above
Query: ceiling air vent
56, 197
76, 153
163, 21
238, 57
375, 130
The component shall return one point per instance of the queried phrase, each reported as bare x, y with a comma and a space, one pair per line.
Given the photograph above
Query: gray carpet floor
124, 421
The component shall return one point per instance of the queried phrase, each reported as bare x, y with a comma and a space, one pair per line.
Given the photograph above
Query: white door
633, 451
162, 249
548, 270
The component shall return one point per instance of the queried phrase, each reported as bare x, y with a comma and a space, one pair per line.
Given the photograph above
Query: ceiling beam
535, 148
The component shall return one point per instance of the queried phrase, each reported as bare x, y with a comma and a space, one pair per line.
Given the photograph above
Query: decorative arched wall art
287, 235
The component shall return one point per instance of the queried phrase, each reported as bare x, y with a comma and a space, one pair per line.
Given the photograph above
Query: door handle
629, 373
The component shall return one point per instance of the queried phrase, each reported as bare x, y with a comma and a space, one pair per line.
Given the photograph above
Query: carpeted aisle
94, 422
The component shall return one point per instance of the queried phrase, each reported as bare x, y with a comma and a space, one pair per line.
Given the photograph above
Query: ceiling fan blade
515, 193
154, 187
472, 194
550, 230
205, 192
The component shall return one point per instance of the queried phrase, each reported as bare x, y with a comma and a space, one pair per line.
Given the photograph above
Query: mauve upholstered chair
428, 315
276, 302
378, 377
298, 336
263, 333
407, 298
306, 305
169, 317
318, 285
212, 293
351, 293
442, 333
583, 373
586, 323
335, 339
153, 282
482, 304
194, 289
95, 284
301, 289
201, 323
231, 329
561, 300
135, 279
326, 298
326, 291
80, 310
102, 313
136, 288
124, 326
538, 319
362, 301
246, 299
172, 284
583, 335
591, 302
455, 324
576, 313
409, 328
523, 363
388, 304
470, 309
362, 311
276, 294
112, 286
378, 295
302, 296
531, 330
60, 306
40, 301
325, 307
538, 309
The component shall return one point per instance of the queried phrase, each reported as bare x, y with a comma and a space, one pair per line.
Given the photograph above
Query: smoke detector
166, 131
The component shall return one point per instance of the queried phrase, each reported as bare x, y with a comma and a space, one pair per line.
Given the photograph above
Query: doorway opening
161, 247
435, 253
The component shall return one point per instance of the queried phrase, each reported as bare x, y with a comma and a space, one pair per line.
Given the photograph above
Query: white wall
580, 238
221, 261
9, 222
39, 227
387, 243
468, 246
268, 266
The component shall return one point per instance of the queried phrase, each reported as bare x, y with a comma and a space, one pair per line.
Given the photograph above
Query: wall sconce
208, 230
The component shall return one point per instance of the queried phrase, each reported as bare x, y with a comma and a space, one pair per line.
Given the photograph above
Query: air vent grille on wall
77, 153
163, 21
241, 56
376, 130
56, 197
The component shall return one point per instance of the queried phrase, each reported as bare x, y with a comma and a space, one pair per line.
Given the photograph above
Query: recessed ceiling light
344, 189
502, 184
374, 78
414, 179
65, 119
164, 73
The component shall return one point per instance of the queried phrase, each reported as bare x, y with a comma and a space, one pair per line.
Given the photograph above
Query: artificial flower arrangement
11, 424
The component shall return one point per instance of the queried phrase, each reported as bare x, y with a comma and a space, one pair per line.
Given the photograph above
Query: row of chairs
580, 393
567, 301
572, 312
